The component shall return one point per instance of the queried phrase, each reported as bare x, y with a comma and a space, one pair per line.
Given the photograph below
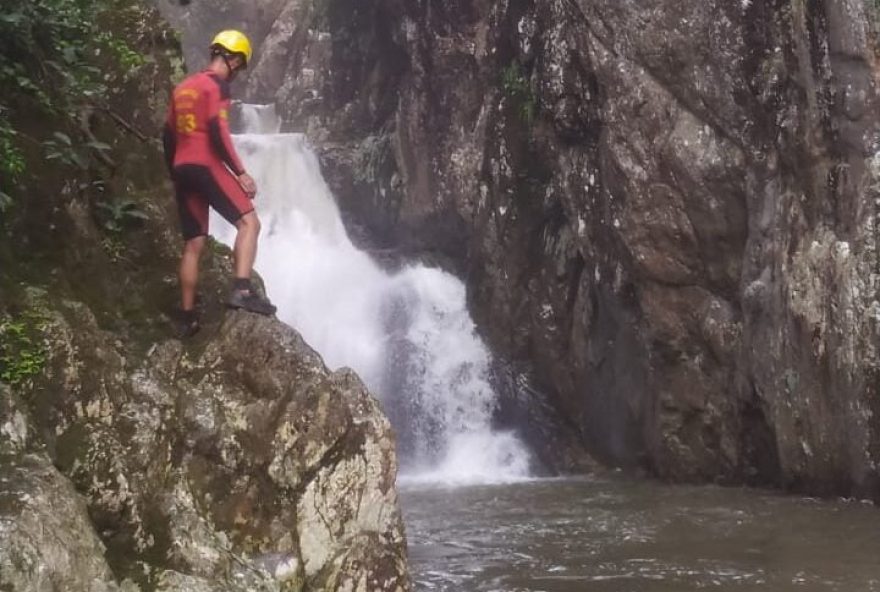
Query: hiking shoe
251, 301
188, 324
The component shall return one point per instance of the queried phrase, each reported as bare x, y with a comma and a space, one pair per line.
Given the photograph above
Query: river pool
627, 535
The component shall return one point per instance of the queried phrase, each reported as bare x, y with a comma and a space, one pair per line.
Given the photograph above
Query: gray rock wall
667, 209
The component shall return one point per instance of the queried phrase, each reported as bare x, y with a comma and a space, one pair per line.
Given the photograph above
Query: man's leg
193, 209
189, 272
245, 250
229, 200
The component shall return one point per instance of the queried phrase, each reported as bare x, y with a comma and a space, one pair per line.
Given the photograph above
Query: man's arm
218, 127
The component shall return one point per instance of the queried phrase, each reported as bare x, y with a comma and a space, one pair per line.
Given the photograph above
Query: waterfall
408, 333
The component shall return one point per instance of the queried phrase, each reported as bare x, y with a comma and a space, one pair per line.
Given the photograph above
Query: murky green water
621, 535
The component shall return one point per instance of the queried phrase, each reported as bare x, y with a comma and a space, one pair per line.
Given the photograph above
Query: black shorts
197, 187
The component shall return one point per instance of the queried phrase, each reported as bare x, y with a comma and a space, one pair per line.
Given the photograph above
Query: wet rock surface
666, 210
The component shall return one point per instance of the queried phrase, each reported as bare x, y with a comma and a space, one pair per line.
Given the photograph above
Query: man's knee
195, 245
249, 222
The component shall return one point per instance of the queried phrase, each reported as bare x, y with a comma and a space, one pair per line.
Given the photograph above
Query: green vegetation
517, 87
117, 215
12, 163
57, 61
85, 83
22, 351
61, 148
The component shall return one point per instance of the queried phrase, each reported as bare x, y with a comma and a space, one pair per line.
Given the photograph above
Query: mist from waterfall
408, 333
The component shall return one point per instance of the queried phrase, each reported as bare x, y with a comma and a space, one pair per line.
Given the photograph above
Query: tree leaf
5, 201
79, 160
13, 18
99, 146
64, 138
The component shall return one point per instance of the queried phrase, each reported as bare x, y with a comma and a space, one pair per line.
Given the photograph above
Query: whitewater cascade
408, 334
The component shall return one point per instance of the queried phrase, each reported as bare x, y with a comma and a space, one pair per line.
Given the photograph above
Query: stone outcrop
236, 461
241, 463
48, 540
237, 464
666, 210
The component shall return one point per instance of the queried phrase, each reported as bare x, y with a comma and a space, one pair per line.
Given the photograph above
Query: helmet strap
225, 55
232, 71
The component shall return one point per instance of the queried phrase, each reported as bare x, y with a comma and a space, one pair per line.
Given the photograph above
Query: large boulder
47, 541
238, 463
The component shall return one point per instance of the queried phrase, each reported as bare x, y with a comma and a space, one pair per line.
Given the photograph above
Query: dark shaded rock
524, 409
667, 209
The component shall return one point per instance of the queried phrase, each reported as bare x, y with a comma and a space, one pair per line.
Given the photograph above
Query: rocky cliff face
130, 460
668, 209
238, 464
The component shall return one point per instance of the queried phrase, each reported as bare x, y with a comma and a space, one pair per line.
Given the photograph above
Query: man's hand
248, 184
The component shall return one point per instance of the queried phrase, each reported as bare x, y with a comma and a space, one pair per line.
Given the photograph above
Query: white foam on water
407, 334
477, 458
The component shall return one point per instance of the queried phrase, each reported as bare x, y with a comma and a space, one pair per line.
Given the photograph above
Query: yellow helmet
234, 42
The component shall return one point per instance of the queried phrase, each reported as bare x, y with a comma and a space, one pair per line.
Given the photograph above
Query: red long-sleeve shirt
197, 126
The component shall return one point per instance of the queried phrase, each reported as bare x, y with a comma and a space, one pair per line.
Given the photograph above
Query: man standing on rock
206, 170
